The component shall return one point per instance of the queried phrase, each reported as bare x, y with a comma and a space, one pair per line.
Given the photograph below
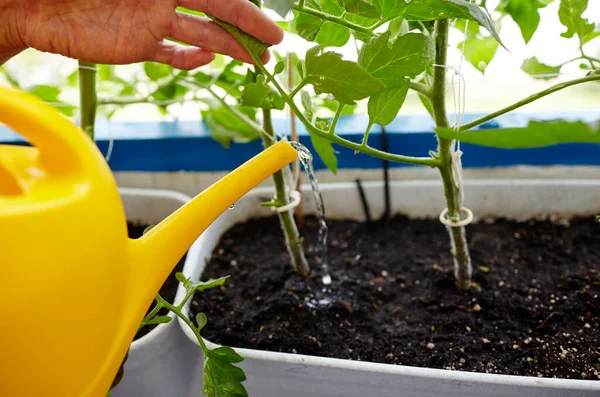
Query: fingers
181, 57
204, 33
241, 13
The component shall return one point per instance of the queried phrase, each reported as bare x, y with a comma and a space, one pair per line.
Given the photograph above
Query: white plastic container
158, 365
272, 374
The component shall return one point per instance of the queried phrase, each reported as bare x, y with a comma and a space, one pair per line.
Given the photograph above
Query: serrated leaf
346, 80
300, 68
201, 320
170, 92
181, 278
281, 7
385, 105
332, 35
225, 127
325, 150
261, 95
254, 46
221, 377
541, 71
308, 26
279, 67
525, 14
426, 104
306, 101
156, 71
398, 27
479, 50
362, 8
429, 10
158, 320
536, 134
570, 14
391, 62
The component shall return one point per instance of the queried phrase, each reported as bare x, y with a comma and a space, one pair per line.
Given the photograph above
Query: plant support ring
295, 198
464, 222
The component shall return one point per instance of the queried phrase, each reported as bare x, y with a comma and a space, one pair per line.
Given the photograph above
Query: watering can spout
155, 254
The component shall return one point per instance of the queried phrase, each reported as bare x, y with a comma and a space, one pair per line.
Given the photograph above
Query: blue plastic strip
188, 146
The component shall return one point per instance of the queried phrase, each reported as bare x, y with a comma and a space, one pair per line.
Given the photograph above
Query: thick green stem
88, 97
460, 249
292, 237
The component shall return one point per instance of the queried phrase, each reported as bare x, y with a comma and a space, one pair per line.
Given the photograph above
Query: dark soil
169, 288
534, 309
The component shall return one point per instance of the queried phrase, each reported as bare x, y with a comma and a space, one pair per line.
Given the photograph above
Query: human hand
130, 31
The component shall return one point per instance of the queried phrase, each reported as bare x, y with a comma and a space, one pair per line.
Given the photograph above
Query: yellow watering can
64, 243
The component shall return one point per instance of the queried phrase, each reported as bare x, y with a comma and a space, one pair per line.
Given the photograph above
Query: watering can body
75, 287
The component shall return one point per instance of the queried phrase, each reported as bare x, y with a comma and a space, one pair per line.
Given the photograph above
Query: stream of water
306, 159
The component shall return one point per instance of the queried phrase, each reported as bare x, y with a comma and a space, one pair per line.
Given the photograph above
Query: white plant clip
295, 198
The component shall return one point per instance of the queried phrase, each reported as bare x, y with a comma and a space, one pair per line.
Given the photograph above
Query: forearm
10, 40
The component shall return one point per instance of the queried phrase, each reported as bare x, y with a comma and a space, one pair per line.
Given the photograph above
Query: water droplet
232, 206
326, 279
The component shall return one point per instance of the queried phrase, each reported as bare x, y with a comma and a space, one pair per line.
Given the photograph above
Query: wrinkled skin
130, 31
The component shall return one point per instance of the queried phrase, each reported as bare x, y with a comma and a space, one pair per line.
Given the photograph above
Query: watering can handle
60, 143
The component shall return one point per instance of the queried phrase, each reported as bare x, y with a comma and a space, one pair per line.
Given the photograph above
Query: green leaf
221, 377
255, 47
427, 104
158, 320
430, 10
306, 101
156, 71
536, 134
362, 8
385, 105
282, 7
570, 15
225, 127
525, 14
46, 93
170, 92
300, 68
181, 278
279, 67
332, 35
325, 150
591, 35
398, 27
535, 68
261, 95
391, 62
346, 80
479, 50
201, 320
309, 26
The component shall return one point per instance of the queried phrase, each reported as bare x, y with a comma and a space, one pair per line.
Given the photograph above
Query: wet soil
534, 308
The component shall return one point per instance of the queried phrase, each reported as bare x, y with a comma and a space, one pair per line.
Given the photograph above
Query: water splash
306, 159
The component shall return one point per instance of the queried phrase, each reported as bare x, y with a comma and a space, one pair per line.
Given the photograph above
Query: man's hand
130, 31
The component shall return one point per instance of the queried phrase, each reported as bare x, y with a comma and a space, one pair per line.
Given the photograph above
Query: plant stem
292, 237
460, 249
88, 97
331, 18
299, 210
528, 100
336, 118
420, 88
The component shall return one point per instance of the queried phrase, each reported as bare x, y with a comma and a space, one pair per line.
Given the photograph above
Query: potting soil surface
533, 309
169, 288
